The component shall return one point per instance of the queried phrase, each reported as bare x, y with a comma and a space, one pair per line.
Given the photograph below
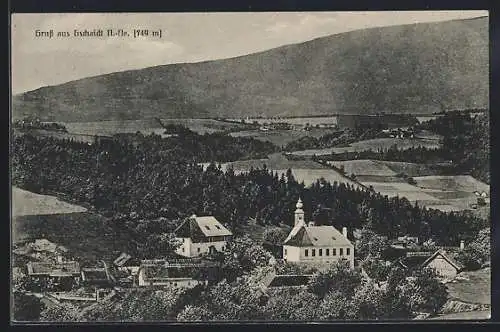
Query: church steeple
299, 213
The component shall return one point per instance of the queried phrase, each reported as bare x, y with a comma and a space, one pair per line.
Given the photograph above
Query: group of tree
466, 141
417, 154
338, 293
135, 187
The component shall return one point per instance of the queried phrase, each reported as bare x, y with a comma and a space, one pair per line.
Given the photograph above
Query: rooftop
201, 227
57, 269
302, 235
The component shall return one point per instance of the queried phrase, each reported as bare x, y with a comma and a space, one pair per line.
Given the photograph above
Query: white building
201, 235
183, 273
316, 244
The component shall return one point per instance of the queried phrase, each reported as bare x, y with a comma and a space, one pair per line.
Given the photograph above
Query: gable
320, 236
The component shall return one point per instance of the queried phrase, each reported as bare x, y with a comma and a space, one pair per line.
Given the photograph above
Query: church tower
299, 214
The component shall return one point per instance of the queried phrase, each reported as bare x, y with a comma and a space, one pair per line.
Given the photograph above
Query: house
96, 277
444, 265
200, 236
63, 275
179, 273
316, 244
441, 261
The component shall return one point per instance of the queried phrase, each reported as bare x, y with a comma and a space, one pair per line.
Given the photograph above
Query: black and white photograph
268, 167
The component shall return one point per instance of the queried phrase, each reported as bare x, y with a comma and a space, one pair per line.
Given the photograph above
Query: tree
376, 269
243, 255
194, 314
274, 236
367, 302
336, 306
370, 244
291, 304
477, 252
339, 278
428, 294
60, 313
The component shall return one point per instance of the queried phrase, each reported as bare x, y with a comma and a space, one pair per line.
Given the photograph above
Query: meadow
307, 171
472, 287
148, 126
445, 193
28, 203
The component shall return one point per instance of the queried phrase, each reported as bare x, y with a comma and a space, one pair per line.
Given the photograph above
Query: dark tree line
466, 141
419, 155
137, 184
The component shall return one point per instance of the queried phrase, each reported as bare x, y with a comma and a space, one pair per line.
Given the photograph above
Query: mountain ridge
360, 71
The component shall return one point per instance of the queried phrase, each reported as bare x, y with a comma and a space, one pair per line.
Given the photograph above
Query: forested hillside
416, 68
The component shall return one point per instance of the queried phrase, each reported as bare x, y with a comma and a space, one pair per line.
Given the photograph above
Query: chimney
344, 231
462, 244
60, 259
310, 224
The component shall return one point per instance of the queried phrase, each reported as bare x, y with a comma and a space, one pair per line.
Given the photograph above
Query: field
282, 137
148, 126
83, 233
303, 170
472, 287
28, 203
375, 144
445, 193
468, 315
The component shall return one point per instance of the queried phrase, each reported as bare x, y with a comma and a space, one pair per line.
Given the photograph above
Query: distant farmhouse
316, 244
201, 235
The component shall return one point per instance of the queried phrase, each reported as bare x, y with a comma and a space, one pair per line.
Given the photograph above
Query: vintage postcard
250, 166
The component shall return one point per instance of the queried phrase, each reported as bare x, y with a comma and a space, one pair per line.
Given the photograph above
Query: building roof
50, 269
321, 236
201, 227
165, 272
94, 274
423, 258
446, 257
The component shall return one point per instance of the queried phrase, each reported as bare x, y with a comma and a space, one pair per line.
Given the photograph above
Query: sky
186, 37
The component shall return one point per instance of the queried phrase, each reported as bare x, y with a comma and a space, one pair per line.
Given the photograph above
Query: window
199, 249
341, 251
348, 251
313, 252
217, 226
334, 252
285, 251
328, 252
207, 227
306, 253
182, 249
320, 253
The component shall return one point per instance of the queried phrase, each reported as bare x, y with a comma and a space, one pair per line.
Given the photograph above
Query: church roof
320, 236
201, 227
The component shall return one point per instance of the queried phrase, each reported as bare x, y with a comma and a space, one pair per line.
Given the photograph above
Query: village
55, 277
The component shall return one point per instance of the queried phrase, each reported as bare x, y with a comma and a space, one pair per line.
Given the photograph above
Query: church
308, 243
